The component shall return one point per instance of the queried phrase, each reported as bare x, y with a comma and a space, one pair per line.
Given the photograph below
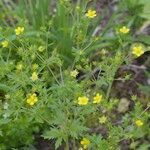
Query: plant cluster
57, 73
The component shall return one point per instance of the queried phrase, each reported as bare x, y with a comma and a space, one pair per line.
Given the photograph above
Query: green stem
67, 144
74, 144
108, 90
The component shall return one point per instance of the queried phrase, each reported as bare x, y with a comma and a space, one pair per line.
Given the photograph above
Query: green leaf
103, 145
4, 87
146, 11
1, 133
76, 129
51, 134
54, 133
144, 38
143, 146
145, 89
58, 142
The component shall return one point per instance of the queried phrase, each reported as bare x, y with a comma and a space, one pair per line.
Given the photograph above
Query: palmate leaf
76, 129
58, 142
51, 134
4, 87
54, 133
103, 145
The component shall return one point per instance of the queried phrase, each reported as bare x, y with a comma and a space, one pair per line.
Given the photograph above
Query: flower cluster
84, 100
71, 63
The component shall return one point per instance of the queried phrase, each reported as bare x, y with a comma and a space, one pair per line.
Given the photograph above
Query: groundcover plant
74, 74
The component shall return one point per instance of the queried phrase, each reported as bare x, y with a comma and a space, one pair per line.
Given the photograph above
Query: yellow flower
97, 98
91, 13
19, 66
32, 99
124, 30
34, 76
102, 119
74, 73
137, 51
139, 123
19, 30
5, 44
85, 143
83, 100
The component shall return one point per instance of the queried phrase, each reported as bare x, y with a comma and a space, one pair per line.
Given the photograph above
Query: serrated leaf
146, 11
4, 87
76, 129
144, 38
58, 142
51, 134
54, 133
